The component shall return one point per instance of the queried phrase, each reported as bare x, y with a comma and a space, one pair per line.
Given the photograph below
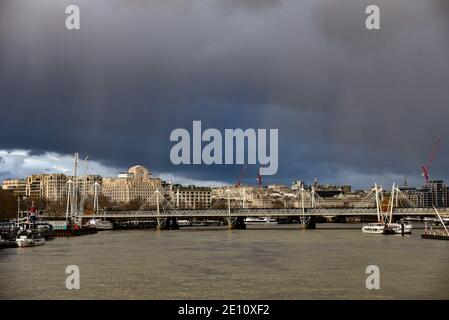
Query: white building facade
136, 183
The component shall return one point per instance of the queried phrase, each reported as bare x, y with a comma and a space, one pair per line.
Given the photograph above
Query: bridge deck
269, 212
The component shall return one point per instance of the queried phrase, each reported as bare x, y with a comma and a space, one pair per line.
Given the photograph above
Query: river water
281, 262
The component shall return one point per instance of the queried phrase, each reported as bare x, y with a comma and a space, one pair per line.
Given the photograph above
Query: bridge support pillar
167, 224
173, 223
236, 223
161, 224
308, 223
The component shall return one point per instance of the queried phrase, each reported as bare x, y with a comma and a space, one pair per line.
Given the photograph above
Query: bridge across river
263, 212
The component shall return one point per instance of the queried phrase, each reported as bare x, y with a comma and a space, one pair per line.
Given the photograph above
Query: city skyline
65, 166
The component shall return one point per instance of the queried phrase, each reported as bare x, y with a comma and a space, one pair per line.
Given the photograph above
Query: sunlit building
18, 186
137, 183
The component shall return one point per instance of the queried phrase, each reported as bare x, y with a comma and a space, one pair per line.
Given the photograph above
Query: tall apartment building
194, 197
53, 186
18, 186
86, 184
34, 186
439, 193
136, 183
418, 197
435, 193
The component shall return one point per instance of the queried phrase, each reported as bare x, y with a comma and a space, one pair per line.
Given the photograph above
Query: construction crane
242, 174
259, 176
426, 168
259, 180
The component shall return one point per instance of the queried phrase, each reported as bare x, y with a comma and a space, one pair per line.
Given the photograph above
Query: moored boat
374, 228
30, 240
184, 223
398, 228
100, 225
260, 220
436, 234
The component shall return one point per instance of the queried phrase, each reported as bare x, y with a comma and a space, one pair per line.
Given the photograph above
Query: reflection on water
282, 262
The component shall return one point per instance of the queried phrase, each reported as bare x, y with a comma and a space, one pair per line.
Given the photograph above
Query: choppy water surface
278, 263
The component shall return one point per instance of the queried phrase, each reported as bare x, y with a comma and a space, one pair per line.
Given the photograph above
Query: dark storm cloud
347, 101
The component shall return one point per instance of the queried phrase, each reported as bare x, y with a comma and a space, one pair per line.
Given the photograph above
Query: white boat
184, 223
396, 228
30, 241
375, 228
408, 227
260, 220
100, 224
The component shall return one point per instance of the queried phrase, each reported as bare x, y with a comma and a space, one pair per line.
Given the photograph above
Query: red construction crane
242, 173
259, 177
259, 180
426, 168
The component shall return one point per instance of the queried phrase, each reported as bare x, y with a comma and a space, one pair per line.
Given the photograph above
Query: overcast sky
351, 105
